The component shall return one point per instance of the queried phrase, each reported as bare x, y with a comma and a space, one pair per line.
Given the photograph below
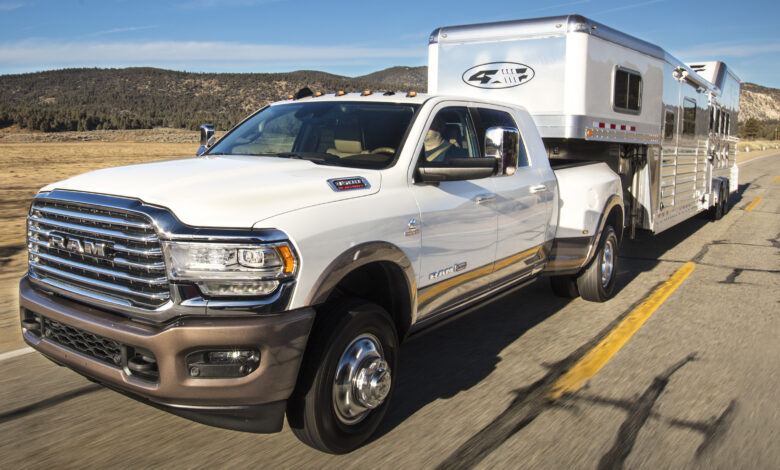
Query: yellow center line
753, 204
777, 180
597, 357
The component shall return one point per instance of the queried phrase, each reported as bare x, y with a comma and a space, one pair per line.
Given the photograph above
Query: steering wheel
389, 150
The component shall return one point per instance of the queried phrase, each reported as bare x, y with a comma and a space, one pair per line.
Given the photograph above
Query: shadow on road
461, 352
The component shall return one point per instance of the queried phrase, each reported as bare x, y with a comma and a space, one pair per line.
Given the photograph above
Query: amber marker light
289, 97
590, 132
287, 258
411, 94
340, 93
366, 93
319, 93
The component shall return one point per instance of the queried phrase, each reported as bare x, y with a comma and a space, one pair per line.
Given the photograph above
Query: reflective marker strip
18, 352
597, 357
753, 204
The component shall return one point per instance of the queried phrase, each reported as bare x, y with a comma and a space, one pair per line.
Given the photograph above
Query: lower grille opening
103, 349
137, 362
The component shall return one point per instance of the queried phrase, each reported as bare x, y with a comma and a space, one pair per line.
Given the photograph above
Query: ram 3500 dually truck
282, 269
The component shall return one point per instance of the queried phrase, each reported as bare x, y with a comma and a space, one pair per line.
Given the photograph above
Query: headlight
224, 269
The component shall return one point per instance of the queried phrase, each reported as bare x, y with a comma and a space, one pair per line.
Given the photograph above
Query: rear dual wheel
597, 281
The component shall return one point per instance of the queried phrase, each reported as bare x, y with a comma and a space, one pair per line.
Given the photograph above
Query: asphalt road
696, 386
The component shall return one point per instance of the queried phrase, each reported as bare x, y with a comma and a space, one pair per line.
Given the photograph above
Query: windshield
353, 134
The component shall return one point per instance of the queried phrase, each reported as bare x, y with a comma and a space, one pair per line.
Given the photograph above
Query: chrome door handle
537, 189
485, 198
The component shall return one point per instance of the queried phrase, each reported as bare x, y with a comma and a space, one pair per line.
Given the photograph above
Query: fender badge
346, 184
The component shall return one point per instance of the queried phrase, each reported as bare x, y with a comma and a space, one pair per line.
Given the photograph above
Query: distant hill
404, 77
758, 102
141, 98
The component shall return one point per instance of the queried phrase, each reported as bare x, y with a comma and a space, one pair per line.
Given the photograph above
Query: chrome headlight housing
230, 269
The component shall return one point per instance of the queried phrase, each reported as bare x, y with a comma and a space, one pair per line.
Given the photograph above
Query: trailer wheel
347, 377
726, 197
715, 212
597, 282
565, 286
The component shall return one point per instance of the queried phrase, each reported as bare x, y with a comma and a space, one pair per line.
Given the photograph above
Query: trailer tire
347, 376
565, 286
715, 212
597, 282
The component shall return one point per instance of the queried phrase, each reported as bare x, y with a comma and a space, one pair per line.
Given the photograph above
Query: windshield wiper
313, 157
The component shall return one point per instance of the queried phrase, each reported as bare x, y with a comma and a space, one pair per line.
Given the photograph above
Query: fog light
238, 288
228, 363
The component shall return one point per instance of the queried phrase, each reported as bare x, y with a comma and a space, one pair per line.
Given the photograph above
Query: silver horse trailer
668, 128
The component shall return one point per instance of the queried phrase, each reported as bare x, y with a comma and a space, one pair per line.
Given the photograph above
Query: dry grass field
27, 166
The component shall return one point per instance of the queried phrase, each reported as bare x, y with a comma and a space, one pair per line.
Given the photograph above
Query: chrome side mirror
503, 144
207, 138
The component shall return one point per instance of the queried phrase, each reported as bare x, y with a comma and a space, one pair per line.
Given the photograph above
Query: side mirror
207, 138
503, 144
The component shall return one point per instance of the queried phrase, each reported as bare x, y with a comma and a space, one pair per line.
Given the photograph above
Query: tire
597, 282
715, 212
325, 412
565, 286
726, 197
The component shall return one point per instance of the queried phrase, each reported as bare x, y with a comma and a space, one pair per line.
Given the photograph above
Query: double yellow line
595, 359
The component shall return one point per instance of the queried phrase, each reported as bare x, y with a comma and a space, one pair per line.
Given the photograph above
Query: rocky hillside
758, 102
142, 98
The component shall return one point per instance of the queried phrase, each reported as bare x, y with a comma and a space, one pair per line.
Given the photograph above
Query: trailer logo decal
498, 75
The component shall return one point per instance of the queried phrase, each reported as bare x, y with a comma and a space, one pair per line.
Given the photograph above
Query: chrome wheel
607, 263
362, 380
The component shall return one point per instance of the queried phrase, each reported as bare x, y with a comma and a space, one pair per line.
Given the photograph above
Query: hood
224, 191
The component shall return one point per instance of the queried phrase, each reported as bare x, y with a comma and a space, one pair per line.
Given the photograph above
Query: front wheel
347, 377
597, 282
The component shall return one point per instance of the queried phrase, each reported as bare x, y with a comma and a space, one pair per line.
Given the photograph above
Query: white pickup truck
282, 269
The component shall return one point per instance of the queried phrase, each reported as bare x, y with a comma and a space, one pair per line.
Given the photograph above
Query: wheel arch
375, 271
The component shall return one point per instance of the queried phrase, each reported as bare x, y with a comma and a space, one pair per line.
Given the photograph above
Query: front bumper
252, 403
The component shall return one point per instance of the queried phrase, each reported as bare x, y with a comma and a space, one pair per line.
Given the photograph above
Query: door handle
537, 188
485, 198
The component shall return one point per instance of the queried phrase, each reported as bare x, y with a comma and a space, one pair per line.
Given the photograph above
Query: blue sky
352, 37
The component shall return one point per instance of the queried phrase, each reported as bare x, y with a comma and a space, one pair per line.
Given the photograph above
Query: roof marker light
411, 94
340, 93
319, 93
366, 93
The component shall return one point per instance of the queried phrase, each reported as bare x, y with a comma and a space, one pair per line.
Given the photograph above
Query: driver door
458, 223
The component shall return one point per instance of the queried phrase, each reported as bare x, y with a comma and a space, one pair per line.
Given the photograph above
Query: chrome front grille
97, 252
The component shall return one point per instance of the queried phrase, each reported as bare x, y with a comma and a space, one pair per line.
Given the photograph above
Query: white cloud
722, 50
188, 55
560, 5
225, 3
628, 7
122, 30
7, 6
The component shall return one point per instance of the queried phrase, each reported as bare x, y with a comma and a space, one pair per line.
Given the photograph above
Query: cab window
485, 118
450, 135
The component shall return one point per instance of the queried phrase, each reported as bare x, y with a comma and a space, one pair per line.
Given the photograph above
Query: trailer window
627, 95
689, 117
669, 125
